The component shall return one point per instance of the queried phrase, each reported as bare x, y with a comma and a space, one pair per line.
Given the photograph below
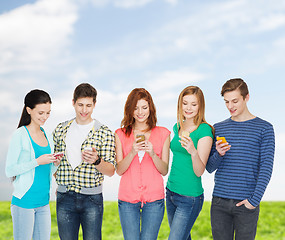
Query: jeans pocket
96, 198
60, 197
244, 208
216, 200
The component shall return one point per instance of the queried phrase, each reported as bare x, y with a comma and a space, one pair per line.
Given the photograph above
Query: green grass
271, 224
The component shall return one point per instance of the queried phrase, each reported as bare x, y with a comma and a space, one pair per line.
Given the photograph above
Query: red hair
130, 105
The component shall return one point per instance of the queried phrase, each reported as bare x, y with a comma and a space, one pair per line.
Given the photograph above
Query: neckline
32, 140
252, 119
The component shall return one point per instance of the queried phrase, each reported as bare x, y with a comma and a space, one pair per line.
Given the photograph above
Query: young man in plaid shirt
89, 154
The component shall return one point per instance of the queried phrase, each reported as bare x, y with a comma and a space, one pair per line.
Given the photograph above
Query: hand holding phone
58, 154
223, 146
223, 139
185, 134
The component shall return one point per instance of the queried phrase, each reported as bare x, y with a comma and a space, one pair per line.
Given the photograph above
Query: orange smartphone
223, 139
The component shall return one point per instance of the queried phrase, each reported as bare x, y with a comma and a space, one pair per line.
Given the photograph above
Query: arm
200, 155
160, 164
20, 157
124, 163
265, 166
216, 156
107, 155
16, 149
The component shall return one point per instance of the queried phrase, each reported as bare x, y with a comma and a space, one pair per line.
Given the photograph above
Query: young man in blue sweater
243, 166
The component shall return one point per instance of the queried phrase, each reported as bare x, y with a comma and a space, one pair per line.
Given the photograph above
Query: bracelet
98, 161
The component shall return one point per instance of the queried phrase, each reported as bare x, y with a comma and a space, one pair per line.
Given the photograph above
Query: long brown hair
130, 105
200, 117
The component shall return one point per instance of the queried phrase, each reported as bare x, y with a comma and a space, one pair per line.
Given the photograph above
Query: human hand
187, 143
222, 148
246, 204
58, 156
149, 148
46, 159
90, 155
138, 146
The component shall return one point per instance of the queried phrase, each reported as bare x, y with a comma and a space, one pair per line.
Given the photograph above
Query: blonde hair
200, 117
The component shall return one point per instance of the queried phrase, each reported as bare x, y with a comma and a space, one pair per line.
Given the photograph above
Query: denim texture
182, 212
141, 221
229, 221
75, 209
34, 223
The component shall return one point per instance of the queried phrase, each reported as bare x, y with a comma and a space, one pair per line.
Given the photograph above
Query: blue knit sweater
245, 170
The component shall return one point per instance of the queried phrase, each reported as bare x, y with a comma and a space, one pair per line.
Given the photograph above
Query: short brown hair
233, 84
130, 105
84, 90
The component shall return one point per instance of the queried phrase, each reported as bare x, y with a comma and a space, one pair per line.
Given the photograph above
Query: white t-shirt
75, 136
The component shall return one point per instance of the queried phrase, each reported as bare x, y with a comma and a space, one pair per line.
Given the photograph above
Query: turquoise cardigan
21, 162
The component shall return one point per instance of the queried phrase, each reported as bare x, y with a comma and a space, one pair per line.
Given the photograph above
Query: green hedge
271, 225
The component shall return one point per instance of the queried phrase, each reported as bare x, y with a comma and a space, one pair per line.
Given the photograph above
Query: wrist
98, 161
194, 153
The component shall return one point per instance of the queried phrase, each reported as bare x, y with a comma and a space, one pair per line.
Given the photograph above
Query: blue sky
162, 45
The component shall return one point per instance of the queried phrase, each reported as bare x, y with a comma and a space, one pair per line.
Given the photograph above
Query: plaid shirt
84, 175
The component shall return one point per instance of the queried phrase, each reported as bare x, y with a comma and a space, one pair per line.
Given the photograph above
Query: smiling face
236, 103
84, 108
40, 113
190, 106
141, 112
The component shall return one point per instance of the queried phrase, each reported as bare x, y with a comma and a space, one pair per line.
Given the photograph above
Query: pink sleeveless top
141, 182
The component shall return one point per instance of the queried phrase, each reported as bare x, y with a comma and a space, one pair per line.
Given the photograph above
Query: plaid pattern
84, 175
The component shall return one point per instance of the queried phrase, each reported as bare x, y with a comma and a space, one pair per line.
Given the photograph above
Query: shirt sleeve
214, 160
107, 151
19, 158
266, 165
56, 137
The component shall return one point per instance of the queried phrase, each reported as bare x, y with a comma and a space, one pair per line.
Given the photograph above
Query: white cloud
127, 3
171, 79
173, 2
131, 3
271, 22
33, 34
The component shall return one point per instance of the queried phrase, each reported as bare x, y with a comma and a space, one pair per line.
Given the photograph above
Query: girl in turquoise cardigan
30, 164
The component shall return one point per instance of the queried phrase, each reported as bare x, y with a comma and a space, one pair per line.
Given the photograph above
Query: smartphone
140, 138
185, 134
223, 139
58, 154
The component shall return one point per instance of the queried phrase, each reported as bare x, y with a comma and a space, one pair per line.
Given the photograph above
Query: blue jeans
31, 223
182, 212
141, 222
73, 209
227, 218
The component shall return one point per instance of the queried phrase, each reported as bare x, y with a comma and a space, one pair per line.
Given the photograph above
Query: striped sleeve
266, 165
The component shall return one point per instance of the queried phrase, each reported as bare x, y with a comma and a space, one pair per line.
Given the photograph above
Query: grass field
271, 225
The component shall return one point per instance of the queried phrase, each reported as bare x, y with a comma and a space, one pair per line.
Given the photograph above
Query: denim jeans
182, 212
73, 209
141, 222
31, 223
228, 220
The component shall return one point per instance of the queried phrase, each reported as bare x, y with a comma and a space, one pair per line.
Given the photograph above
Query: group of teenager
82, 150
